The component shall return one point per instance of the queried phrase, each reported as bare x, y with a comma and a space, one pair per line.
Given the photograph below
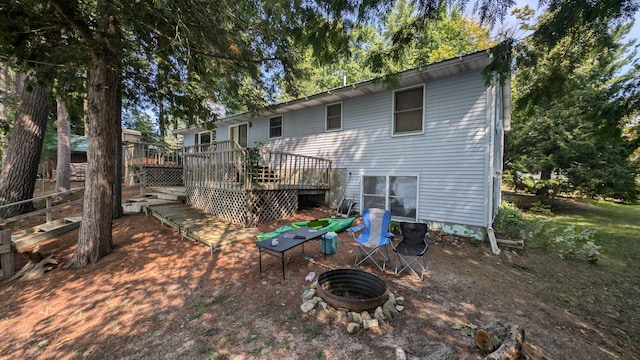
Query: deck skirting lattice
244, 207
163, 175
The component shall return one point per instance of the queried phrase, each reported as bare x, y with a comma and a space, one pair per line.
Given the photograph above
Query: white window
334, 117
398, 194
203, 139
240, 133
275, 127
408, 106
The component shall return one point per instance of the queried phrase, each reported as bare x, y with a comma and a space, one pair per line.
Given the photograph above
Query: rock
365, 315
353, 328
400, 300
400, 354
399, 308
314, 285
324, 317
355, 317
342, 316
389, 309
379, 314
392, 298
323, 305
444, 353
308, 305
308, 294
386, 314
370, 324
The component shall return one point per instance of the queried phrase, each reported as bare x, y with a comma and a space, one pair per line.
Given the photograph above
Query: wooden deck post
6, 254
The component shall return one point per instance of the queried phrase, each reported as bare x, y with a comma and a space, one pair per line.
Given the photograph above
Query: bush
509, 222
569, 242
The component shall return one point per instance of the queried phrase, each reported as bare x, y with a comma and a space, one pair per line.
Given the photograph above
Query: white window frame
198, 137
281, 126
387, 193
238, 126
198, 140
326, 117
393, 111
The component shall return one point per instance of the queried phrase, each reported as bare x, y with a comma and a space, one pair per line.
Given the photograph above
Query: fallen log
490, 336
36, 267
511, 348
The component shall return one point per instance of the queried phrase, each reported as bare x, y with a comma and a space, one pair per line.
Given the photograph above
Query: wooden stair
25, 238
201, 226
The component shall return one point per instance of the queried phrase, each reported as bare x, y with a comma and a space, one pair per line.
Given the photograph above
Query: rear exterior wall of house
449, 158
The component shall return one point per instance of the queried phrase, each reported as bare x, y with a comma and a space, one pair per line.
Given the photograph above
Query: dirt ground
159, 296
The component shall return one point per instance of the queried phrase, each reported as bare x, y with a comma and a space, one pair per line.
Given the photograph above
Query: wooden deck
201, 226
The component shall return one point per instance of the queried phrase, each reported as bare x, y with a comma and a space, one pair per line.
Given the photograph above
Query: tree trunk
117, 183
63, 166
20, 165
95, 239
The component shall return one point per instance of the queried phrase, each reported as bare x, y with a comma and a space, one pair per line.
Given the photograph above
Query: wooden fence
6, 254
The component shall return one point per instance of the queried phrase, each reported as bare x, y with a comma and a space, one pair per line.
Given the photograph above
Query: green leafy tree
179, 48
578, 134
374, 51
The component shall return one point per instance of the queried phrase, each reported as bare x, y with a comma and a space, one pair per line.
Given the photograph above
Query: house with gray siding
429, 149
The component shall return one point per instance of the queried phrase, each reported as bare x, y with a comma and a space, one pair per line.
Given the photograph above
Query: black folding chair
413, 248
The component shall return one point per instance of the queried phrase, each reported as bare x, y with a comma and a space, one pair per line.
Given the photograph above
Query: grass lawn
617, 225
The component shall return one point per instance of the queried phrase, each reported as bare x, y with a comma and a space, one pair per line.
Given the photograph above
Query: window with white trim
275, 127
240, 133
203, 139
408, 106
334, 117
398, 194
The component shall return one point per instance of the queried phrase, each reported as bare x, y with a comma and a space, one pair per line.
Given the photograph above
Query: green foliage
541, 208
572, 104
509, 221
404, 40
569, 242
312, 331
394, 227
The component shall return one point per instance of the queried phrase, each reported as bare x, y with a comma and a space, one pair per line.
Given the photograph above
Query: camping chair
374, 236
414, 245
346, 206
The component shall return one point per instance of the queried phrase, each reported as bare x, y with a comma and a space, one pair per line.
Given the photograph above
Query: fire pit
352, 289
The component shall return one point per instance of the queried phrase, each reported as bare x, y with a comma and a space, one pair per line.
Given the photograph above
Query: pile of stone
355, 321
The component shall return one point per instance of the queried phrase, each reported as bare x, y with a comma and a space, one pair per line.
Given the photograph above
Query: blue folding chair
373, 236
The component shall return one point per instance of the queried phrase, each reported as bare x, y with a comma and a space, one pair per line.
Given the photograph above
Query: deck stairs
23, 239
168, 206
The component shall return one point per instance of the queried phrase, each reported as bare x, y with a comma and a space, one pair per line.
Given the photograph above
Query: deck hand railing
253, 168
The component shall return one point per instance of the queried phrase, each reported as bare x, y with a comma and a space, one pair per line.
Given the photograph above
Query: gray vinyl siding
449, 158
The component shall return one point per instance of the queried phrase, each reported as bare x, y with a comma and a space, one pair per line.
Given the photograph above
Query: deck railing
251, 168
151, 154
218, 145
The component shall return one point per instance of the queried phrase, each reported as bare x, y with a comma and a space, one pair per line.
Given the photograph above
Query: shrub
541, 208
509, 221
569, 242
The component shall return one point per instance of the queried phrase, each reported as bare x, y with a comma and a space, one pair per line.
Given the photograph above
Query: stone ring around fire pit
352, 289
347, 296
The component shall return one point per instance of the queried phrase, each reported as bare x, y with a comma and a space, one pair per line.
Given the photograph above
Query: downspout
495, 101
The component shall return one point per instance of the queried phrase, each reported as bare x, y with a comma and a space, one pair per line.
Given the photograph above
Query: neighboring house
78, 148
194, 137
429, 150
